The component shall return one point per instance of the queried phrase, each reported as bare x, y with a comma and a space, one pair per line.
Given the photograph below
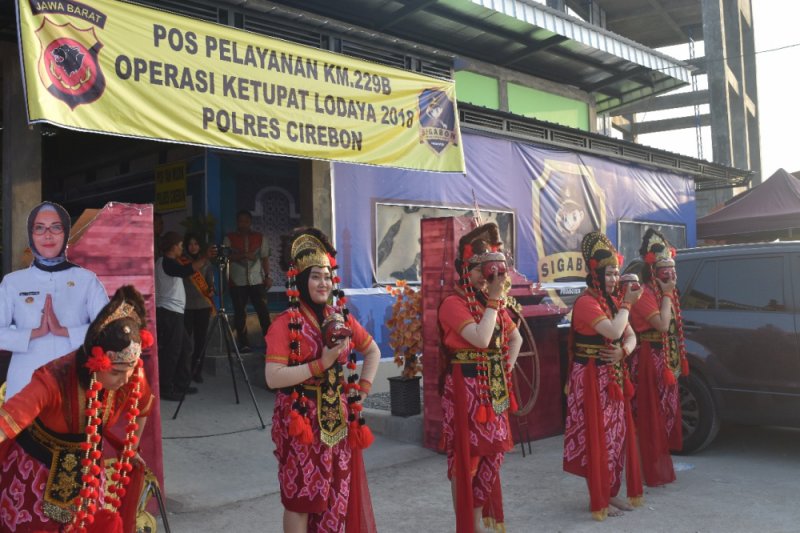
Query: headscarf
58, 262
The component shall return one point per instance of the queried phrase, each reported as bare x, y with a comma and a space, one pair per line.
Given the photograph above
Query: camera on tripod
223, 254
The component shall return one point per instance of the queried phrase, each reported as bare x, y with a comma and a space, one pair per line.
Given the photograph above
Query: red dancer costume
52, 476
477, 388
317, 426
600, 436
658, 361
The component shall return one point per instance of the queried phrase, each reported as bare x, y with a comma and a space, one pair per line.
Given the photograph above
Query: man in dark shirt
174, 345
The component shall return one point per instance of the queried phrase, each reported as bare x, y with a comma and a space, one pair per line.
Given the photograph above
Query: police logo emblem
68, 64
437, 120
29, 300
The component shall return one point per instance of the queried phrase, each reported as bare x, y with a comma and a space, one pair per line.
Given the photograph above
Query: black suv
741, 323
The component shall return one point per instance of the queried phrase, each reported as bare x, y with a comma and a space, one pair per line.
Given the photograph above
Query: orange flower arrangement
405, 327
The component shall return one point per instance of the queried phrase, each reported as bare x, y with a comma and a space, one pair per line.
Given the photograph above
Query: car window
686, 270
751, 284
702, 293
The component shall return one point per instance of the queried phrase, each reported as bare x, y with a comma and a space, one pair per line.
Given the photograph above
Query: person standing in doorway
174, 345
199, 289
249, 276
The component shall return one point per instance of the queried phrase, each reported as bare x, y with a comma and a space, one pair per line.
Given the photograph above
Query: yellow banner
170, 187
107, 66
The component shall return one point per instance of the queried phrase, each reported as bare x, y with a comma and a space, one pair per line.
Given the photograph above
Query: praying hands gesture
49, 323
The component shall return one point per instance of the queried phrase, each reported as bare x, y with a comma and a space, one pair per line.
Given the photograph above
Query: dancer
46, 309
481, 344
317, 426
600, 437
52, 432
658, 361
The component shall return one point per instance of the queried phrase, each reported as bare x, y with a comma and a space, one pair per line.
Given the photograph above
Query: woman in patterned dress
600, 437
51, 432
658, 361
317, 425
481, 344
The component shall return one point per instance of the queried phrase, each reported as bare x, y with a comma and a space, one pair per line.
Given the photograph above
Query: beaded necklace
359, 434
87, 503
485, 411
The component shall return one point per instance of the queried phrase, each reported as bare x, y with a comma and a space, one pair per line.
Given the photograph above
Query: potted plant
405, 338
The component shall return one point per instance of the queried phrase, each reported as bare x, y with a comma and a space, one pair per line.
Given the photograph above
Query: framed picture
397, 236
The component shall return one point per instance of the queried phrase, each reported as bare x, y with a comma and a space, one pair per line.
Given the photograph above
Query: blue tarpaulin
555, 197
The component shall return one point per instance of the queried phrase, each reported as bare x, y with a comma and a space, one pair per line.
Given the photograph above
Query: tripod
221, 322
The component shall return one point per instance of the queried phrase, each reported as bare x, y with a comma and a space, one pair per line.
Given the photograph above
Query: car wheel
698, 413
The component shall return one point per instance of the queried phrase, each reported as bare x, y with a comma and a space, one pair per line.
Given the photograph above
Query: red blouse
586, 314
277, 339
454, 315
55, 397
645, 309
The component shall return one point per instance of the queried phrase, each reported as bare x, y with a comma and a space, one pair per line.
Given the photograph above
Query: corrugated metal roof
516, 34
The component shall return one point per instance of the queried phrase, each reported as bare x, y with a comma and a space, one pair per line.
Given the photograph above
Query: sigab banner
119, 68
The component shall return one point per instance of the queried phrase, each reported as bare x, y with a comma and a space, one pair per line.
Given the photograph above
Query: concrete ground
221, 476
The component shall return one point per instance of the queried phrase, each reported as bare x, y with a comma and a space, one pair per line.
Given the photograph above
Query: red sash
199, 282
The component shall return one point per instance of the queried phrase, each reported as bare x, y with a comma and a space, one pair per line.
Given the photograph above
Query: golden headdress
598, 251
306, 248
656, 250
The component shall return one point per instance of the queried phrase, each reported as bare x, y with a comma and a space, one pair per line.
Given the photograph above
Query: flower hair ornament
304, 249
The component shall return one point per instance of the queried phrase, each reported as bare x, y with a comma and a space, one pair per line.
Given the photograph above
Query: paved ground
221, 476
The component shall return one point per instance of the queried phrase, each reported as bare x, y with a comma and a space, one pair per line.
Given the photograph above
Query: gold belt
498, 387
465, 357
589, 351
651, 335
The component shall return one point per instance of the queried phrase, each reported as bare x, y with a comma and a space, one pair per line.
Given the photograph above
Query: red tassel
669, 377
367, 438
307, 436
296, 424
629, 391
354, 437
490, 416
615, 391
684, 367
106, 521
514, 405
481, 417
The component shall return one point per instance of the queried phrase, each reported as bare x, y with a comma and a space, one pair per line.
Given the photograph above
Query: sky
775, 23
